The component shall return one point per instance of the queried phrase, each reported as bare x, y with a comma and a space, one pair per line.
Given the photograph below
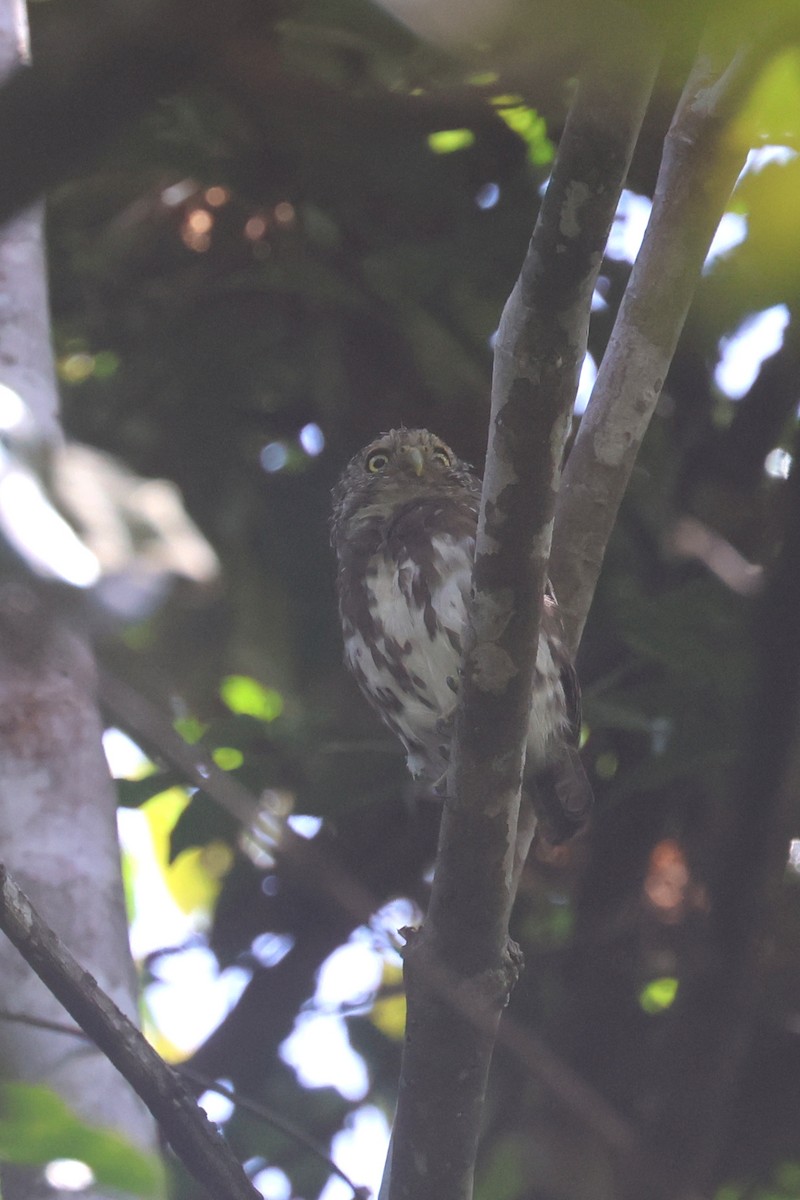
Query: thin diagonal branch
268, 1115
192, 1136
540, 347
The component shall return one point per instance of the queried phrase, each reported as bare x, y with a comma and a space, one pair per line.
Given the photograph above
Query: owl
405, 517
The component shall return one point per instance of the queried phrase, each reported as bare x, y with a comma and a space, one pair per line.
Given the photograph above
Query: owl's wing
572, 699
563, 796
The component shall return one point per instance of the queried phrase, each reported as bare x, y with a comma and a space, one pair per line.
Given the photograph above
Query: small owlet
405, 515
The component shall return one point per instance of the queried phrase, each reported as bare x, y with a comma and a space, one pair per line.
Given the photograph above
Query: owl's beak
416, 461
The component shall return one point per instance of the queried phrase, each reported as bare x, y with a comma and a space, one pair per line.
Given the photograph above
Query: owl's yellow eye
441, 455
377, 461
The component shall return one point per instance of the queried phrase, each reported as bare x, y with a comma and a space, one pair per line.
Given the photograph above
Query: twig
43, 1023
278, 1122
192, 1136
266, 1114
464, 940
699, 168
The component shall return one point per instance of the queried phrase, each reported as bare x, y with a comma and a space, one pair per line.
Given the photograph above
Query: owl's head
400, 466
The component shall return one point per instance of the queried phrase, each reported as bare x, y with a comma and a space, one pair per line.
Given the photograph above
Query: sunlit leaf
76, 368
228, 758
245, 695
36, 1127
532, 128
658, 994
193, 877
446, 141
190, 729
389, 1013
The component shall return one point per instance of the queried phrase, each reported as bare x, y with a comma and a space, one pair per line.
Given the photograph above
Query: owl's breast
406, 649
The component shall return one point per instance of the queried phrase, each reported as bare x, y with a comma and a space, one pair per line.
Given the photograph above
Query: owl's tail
562, 797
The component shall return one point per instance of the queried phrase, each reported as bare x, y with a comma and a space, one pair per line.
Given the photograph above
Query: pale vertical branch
57, 802
540, 347
699, 168
24, 314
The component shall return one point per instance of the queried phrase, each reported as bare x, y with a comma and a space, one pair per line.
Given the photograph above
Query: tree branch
540, 346
699, 169
192, 1136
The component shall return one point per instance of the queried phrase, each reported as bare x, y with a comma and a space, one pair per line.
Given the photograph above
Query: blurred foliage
324, 240
37, 1127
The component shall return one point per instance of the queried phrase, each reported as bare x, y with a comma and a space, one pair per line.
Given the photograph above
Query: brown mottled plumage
405, 515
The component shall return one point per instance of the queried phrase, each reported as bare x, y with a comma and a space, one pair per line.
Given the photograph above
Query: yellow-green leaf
532, 128
228, 758
247, 696
446, 141
658, 994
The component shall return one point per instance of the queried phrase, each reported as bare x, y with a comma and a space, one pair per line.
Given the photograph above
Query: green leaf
446, 141
36, 1127
190, 729
532, 128
658, 994
228, 758
245, 695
